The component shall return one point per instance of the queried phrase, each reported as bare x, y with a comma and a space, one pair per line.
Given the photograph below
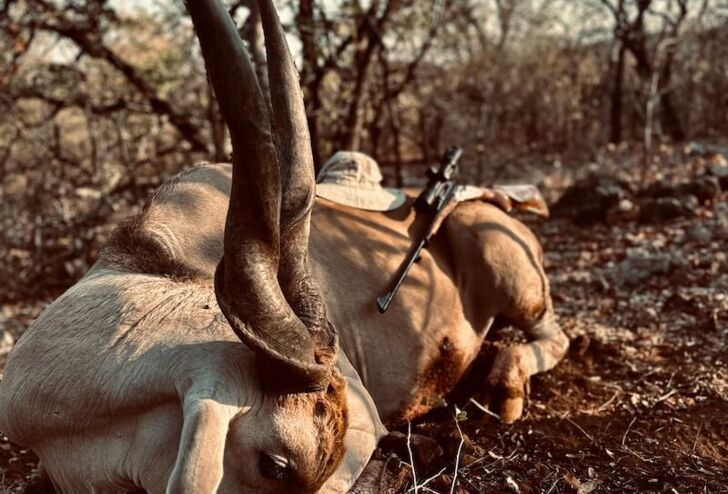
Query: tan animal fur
138, 339
227, 339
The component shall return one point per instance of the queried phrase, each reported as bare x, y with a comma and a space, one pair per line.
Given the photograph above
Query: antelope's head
294, 440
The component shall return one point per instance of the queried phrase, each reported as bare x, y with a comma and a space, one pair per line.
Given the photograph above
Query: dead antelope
136, 377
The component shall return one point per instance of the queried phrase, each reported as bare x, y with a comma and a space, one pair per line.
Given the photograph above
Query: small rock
88, 193
706, 188
699, 233
681, 303
695, 149
588, 487
625, 205
718, 166
665, 209
720, 225
626, 210
589, 200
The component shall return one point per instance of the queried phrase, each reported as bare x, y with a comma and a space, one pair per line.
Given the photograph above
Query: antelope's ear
199, 465
364, 432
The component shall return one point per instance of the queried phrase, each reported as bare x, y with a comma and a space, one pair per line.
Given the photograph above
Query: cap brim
383, 199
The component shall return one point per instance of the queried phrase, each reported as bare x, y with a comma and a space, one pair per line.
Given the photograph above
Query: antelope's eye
274, 467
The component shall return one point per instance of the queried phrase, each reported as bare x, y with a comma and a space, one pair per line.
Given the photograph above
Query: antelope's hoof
507, 385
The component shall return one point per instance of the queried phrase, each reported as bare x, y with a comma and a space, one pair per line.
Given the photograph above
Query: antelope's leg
199, 465
509, 378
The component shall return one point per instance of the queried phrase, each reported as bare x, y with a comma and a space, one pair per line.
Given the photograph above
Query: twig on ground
423, 485
609, 402
411, 456
624, 438
475, 462
697, 436
669, 382
485, 409
553, 486
645, 459
457, 457
383, 475
666, 396
580, 428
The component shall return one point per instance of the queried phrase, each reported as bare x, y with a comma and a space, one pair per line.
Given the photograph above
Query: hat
354, 179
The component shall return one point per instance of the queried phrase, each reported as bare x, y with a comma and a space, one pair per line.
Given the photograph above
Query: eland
227, 339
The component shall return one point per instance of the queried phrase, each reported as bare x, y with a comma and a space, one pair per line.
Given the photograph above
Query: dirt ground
640, 404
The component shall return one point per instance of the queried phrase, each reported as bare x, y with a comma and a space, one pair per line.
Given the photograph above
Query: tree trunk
356, 116
218, 131
252, 33
615, 100
668, 115
311, 75
670, 119
367, 47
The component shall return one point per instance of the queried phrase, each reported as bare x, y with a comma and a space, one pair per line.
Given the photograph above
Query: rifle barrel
385, 300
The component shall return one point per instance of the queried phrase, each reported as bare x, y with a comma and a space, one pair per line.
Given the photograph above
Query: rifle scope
438, 179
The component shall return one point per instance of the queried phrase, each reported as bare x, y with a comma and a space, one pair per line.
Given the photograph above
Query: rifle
433, 200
